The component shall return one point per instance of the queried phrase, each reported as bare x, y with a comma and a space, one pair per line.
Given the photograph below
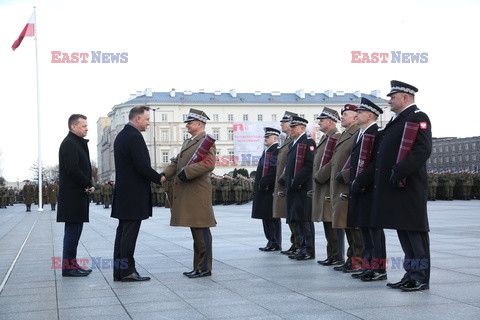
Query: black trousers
331, 236
416, 246
306, 234
71, 237
125, 242
374, 248
294, 237
202, 249
272, 228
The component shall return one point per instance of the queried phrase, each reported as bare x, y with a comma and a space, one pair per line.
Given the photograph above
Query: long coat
28, 191
321, 208
52, 193
402, 208
279, 202
192, 199
132, 199
360, 204
341, 152
264, 185
299, 204
75, 175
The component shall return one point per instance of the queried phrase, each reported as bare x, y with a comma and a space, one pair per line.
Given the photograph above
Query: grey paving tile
103, 312
44, 315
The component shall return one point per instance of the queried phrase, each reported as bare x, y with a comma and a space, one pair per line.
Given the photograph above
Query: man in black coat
75, 185
299, 204
360, 200
263, 191
132, 201
401, 189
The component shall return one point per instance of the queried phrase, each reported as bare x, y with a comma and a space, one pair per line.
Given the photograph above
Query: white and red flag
28, 31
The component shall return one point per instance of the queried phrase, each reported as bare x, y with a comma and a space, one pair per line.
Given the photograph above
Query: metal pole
40, 183
154, 139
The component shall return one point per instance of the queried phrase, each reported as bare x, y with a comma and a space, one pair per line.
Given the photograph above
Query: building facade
167, 131
455, 154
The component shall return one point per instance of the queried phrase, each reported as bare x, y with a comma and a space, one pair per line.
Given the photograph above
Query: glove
394, 180
339, 178
355, 187
182, 176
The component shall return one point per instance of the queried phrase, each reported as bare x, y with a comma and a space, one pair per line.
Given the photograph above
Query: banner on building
248, 141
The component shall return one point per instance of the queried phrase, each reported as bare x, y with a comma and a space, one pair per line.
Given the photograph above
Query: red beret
348, 107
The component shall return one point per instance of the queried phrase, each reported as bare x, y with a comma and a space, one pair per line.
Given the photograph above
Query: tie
360, 134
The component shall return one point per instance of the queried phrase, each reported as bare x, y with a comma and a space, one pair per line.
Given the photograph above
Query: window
453, 147
216, 133
434, 149
435, 160
466, 146
460, 158
215, 117
230, 134
302, 115
453, 159
446, 148
474, 146
185, 134
231, 156
440, 160
474, 157
164, 136
459, 147
184, 117
315, 116
440, 149
260, 117
165, 156
164, 117
274, 117
230, 117
447, 160
467, 158
245, 117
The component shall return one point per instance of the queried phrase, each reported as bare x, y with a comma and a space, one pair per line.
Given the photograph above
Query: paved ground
246, 283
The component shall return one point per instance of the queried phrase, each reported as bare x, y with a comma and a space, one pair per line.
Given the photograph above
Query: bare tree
51, 173
94, 170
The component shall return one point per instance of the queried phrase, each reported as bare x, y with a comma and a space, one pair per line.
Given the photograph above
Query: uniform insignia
423, 125
312, 148
417, 111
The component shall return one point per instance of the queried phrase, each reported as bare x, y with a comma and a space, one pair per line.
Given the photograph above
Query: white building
167, 131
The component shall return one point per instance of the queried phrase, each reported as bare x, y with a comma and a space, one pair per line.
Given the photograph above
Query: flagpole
40, 183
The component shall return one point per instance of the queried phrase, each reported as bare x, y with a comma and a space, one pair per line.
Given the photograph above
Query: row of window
166, 156
455, 147
165, 134
230, 117
452, 159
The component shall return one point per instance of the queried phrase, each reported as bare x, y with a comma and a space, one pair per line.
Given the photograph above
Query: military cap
349, 107
329, 113
368, 105
398, 86
271, 132
288, 116
296, 120
195, 114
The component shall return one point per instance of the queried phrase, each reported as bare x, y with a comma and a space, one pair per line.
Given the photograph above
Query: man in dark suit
299, 204
75, 184
263, 191
360, 199
132, 201
401, 190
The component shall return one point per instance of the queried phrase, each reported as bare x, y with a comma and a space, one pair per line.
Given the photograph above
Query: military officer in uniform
400, 189
53, 194
192, 194
297, 185
321, 208
263, 191
28, 191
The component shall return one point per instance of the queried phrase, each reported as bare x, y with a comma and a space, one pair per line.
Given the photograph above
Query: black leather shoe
414, 285
374, 276
304, 256
397, 285
74, 273
186, 273
272, 248
85, 270
200, 273
325, 262
117, 279
342, 267
290, 251
134, 277
263, 249
361, 274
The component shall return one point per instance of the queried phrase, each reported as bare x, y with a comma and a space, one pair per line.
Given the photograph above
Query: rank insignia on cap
423, 125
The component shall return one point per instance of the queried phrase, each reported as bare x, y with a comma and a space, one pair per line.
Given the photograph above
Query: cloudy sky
248, 45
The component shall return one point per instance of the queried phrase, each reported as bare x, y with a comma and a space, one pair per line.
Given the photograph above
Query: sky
247, 45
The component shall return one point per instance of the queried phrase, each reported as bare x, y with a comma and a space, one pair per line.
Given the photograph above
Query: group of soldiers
103, 193
7, 197
448, 185
49, 194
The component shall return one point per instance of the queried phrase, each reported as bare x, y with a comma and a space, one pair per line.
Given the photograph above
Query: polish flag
28, 31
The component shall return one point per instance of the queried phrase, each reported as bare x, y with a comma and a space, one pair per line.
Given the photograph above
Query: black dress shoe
117, 279
414, 285
304, 256
290, 251
374, 276
134, 277
186, 273
325, 262
74, 273
397, 285
85, 270
342, 267
200, 273
273, 248
361, 274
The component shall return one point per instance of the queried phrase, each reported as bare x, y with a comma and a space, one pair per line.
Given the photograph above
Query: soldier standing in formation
53, 194
107, 191
28, 191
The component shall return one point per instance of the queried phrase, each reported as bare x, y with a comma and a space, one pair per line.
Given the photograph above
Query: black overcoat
402, 208
299, 204
75, 175
360, 204
264, 186
132, 199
